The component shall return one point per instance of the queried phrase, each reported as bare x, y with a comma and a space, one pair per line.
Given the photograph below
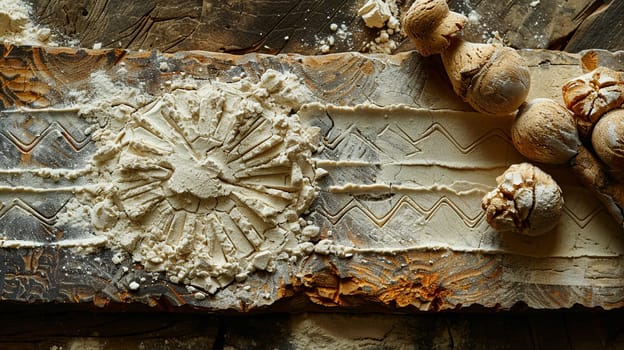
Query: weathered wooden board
603, 29
407, 264
291, 26
526, 24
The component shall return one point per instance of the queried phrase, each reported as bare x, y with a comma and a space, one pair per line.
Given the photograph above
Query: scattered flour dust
206, 182
378, 14
384, 15
339, 33
16, 26
480, 30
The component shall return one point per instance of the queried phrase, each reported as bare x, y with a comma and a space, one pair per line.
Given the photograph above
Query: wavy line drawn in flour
405, 201
352, 130
440, 129
339, 214
52, 129
19, 204
54, 138
583, 221
27, 224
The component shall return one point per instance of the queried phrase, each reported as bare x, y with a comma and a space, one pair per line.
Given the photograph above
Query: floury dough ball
526, 201
493, 79
608, 140
544, 131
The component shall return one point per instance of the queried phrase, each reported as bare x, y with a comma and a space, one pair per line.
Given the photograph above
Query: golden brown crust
591, 95
492, 79
588, 170
544, 132
431, 25
608, 141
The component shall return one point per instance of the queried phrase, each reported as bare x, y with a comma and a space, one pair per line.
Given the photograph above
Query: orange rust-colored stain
152, 302
284, 290
31, 260
320, 301
350, 287
329, 293
421, 290
367, 68
25, 159
27, 262
322, 287
125, 296
589, 61
100, 301
20, 80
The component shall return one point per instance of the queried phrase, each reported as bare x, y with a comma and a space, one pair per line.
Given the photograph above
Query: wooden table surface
262, 26
418, 278
50, 302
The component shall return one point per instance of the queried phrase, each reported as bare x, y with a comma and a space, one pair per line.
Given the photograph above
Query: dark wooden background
240, 26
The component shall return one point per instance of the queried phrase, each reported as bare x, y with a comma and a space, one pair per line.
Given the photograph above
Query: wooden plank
294, 26
393, 264
602, 30
525, 24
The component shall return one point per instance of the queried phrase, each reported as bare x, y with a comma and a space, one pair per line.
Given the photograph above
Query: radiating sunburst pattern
212, 177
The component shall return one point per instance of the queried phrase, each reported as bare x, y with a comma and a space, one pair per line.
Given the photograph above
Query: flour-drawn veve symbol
404, 202
219, 181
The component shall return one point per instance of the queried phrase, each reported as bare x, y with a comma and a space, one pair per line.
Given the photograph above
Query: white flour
206, 183
16, 26
382, 14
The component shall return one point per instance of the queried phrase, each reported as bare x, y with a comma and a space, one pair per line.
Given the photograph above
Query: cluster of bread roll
587, 134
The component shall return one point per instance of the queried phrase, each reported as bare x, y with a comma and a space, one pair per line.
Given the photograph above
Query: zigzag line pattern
53, 127
404, 201
439, 128
350, 131
434, 128
582, 222
18, 203
396, 129
428, 213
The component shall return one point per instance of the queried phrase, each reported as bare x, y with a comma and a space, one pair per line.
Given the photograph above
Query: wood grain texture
290, 26
418, 278
226, 26
602, 30
525, 24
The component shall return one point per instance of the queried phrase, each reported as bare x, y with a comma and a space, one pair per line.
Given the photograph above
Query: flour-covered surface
17, 26
245, 182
